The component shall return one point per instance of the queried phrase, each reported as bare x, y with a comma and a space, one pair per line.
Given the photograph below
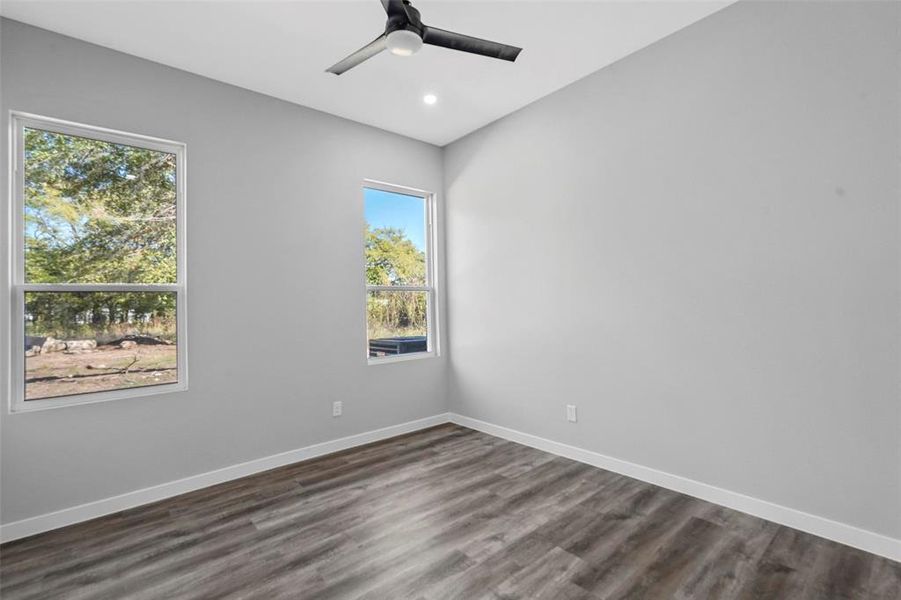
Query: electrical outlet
337, 408
571, 413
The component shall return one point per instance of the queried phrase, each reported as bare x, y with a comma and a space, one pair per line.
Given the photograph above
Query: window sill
22, 406
385, 360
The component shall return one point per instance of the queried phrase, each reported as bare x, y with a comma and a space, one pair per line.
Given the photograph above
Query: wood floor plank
674, 562
550, 578
785, 567
885, 580
732, 561
840, 572
441, 514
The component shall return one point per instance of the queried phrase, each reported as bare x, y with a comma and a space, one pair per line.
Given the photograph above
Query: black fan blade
465, 43
395, 7
364, 53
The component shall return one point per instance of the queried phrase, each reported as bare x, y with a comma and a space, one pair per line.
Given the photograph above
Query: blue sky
387, 209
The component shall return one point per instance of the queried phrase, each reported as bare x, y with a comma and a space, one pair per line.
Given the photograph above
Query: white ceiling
282, 48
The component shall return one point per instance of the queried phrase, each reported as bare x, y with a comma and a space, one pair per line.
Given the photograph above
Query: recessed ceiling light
430, 98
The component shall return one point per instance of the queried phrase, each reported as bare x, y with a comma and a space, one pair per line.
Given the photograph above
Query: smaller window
400, 270
98, 264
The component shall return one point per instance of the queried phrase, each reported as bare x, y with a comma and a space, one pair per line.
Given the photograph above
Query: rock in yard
52, 345
80, 345
127, 344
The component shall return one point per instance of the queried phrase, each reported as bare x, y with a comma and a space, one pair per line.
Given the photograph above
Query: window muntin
98, 265
400, 297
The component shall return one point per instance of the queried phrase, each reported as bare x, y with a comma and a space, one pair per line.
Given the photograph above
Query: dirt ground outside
61, 374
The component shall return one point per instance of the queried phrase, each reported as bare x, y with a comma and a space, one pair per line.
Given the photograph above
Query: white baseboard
99, 508
796, 519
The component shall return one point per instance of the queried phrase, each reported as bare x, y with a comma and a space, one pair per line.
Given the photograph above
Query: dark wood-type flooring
438, 514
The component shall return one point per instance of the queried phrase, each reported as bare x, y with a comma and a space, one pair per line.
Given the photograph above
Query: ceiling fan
405, 33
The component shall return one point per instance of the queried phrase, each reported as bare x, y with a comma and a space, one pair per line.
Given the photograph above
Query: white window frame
17, 286
433, 339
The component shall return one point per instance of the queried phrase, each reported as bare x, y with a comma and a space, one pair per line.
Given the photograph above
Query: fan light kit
405, 33
403, 42
430, 99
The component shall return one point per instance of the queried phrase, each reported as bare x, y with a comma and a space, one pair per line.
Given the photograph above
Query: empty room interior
450, 299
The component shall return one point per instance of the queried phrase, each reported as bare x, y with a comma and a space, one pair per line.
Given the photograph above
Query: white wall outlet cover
337, 408
571, 413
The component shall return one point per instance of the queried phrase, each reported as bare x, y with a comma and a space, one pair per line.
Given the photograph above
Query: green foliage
97, 212
394, 314
392, 259
100, 315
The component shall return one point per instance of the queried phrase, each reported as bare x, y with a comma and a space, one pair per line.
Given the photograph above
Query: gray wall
273, 190
699, 247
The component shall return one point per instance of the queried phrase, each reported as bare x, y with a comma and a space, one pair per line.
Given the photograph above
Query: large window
400, 270
98, 298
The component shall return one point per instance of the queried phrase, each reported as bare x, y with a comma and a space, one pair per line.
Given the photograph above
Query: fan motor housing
401, 21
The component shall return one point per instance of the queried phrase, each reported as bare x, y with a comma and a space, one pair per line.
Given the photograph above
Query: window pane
82, 342
395, 238
397, 322
97, 212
